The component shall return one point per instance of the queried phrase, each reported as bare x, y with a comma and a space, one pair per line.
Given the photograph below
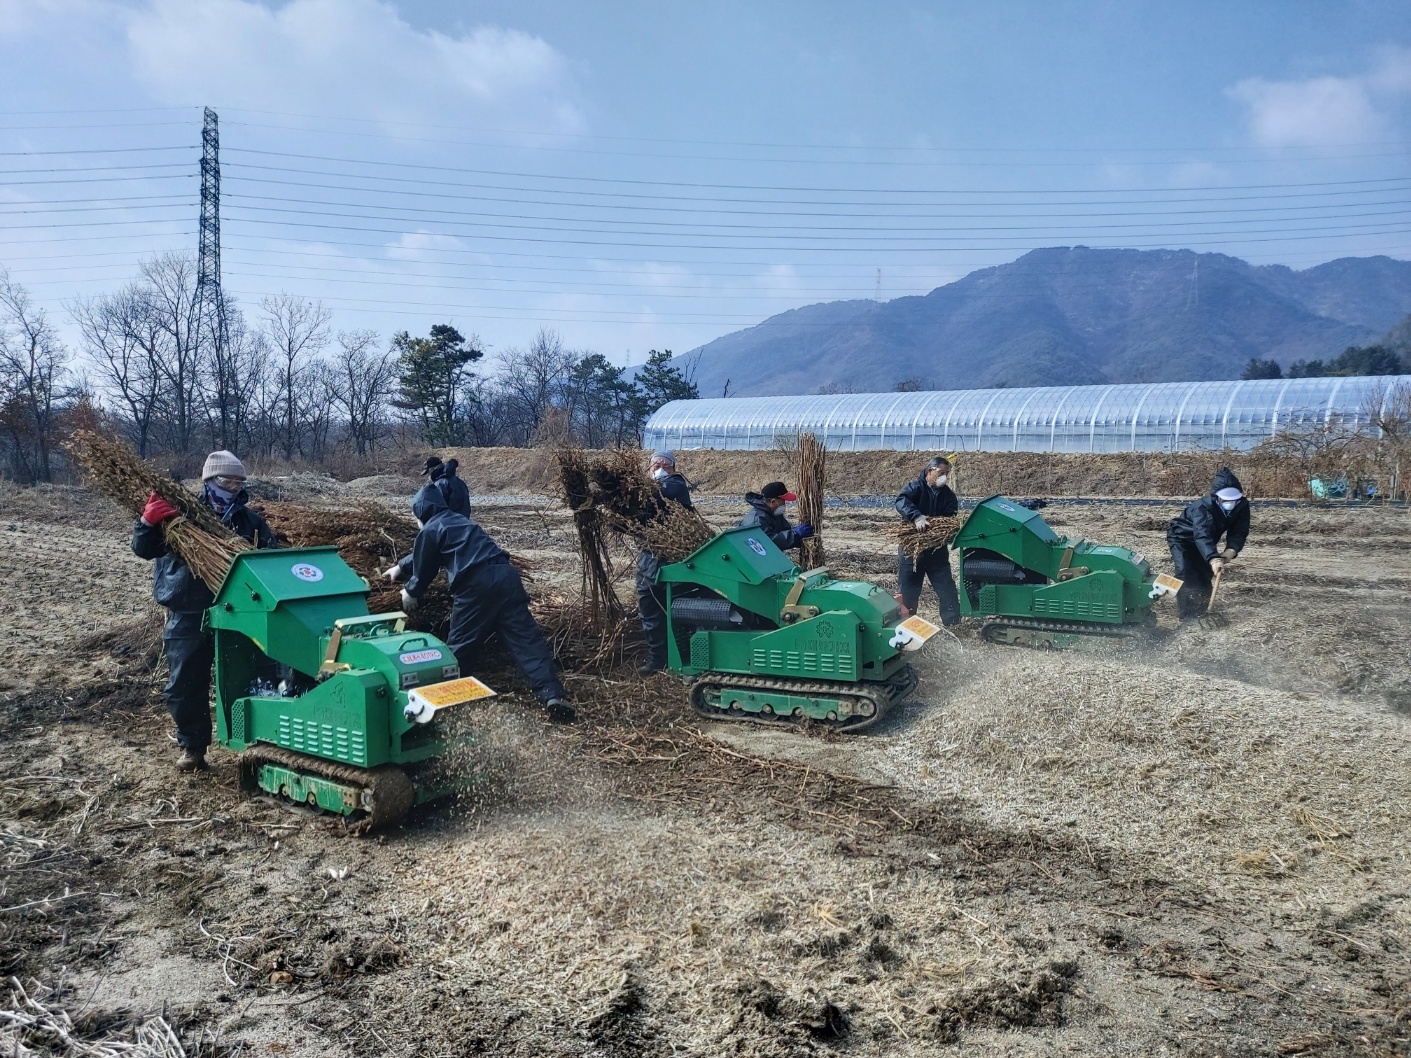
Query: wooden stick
1210, 607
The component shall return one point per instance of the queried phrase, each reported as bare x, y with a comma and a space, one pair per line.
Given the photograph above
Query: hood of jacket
428, 502
1225, 479
758, 502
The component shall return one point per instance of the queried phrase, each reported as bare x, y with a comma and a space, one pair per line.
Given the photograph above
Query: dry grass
114, 469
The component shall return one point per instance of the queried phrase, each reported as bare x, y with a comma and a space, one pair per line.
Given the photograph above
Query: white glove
392, 573
409, 601
1216, 565
922, 522
1229, 554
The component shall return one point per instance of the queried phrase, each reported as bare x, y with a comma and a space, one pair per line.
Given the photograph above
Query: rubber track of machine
822, 688
1117, 634
387, 787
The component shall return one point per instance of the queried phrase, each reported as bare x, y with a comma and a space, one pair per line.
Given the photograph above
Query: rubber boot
192, 760
560, 711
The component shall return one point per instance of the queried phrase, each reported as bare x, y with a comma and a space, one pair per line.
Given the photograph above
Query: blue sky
640, 175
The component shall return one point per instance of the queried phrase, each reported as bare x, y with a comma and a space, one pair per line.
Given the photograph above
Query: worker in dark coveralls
923, 499
487, 596
189, 651
765, 510
1194, 539
651, 599
457, 496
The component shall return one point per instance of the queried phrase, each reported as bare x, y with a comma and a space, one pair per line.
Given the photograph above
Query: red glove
158, 510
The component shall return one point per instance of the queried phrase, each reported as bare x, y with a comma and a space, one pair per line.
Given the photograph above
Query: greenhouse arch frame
1132, 417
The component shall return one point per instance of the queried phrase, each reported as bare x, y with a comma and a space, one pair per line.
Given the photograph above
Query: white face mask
661, 474
1229, 505
419, 523
940, 480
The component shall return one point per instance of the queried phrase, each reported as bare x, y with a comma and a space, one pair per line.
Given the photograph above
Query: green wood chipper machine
1034, 588
328, 705
759, 639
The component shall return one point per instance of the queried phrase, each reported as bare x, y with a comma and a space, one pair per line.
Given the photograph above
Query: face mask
660, 474
222, 493
419, 523
1227, 507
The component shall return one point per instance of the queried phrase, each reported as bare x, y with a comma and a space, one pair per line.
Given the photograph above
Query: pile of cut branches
112, 467
939, 532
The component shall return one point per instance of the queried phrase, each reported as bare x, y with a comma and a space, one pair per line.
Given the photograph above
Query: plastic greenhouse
1145, 417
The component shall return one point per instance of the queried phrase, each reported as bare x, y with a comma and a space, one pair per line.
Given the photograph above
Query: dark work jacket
447, 541
1204, 521
674, 487
774, 524
173, 583
456, 493
457, 497
918, 500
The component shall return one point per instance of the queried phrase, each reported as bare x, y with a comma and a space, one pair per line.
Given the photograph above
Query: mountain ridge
1067, 316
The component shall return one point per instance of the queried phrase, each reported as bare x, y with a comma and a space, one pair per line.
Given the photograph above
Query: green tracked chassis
850, 707
1064, 635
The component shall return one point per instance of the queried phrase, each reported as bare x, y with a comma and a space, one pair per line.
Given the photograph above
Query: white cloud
1327, 111
355, 58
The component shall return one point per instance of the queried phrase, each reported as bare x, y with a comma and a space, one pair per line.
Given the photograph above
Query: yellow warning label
452, 692
1169, 582
920, 627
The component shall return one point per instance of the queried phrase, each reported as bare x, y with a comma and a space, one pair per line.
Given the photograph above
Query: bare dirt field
1199, 848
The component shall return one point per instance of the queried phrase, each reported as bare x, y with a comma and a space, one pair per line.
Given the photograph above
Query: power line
92, 150
764, 187
868, 162
397, 185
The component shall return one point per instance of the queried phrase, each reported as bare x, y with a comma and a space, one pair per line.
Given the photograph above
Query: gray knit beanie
222, 464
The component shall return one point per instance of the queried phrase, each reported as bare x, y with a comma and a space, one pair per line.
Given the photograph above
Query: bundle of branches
633, 507
939, 532
576, 491
625, 501
369, 538
196, 535
812, 480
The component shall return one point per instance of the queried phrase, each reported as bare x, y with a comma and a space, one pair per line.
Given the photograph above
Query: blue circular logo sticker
757, 547
306, 572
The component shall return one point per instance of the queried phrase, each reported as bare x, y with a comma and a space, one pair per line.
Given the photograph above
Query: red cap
777, 490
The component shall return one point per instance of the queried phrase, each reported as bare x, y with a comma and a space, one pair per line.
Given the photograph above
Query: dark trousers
1194, 596
651, 605
190, 653
936, 565
494, 600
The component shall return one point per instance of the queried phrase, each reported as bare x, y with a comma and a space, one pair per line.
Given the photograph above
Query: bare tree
122, 336
296, 331
532, 382
170, 282
33, 370
362, 382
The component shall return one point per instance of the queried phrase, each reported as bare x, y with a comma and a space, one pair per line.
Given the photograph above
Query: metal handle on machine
330, 656
791, 611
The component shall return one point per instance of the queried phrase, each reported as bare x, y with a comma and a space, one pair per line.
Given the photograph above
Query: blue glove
804, 530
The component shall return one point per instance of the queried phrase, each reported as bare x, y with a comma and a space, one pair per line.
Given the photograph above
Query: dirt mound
516, 471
